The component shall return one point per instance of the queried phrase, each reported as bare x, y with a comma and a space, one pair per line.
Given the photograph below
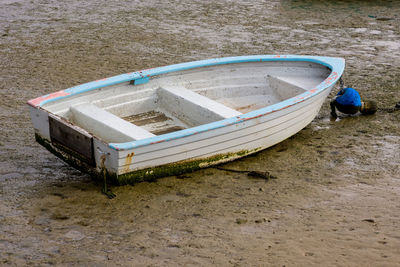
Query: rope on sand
390, 110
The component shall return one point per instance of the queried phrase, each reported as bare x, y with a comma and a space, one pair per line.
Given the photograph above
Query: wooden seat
284, 87
192, 108
106, 125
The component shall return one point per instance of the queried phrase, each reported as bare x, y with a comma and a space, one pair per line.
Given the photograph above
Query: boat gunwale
336, 65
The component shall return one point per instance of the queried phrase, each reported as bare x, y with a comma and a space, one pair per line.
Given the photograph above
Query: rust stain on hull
128, 161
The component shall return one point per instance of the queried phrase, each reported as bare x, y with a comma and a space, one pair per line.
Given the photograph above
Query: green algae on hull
177, 168
137, 176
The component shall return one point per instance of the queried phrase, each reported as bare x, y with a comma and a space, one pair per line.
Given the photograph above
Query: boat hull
189, 149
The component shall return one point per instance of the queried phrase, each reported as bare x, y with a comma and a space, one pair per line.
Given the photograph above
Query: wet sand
336, 199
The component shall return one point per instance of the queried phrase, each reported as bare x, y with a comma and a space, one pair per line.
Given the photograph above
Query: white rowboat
179, 118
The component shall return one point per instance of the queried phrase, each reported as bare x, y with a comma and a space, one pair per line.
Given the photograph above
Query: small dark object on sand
259, 174
182, 176
256, 174
391, 110
384, 18
106, 191
369, 220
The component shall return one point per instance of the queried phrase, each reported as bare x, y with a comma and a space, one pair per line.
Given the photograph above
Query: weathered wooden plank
73, 138
155, 122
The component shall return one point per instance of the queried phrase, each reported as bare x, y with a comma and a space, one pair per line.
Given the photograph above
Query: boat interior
180, 100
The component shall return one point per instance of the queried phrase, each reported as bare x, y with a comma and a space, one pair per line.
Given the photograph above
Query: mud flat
336, 197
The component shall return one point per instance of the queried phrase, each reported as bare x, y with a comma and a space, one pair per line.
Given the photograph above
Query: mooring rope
341, 83
391, 110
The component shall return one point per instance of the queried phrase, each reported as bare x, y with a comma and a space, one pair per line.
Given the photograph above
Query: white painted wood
225, 133
284, 87
106, 125
40, 121
100, 148
249, 135
192, 108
